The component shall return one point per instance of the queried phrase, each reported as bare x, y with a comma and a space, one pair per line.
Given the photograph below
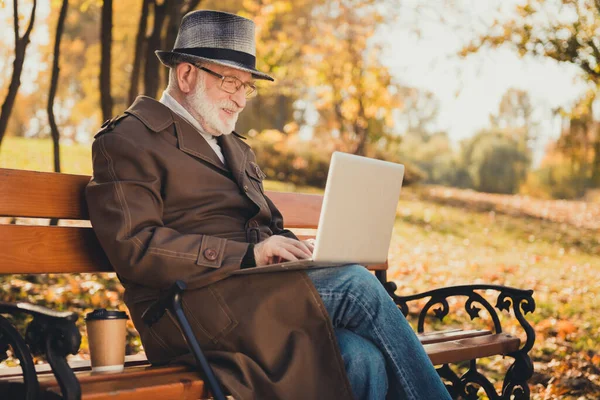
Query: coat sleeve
125, 205
277, 222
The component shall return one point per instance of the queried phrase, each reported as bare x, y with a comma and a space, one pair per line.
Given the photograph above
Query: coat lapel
190, 141
236, 156
157, 117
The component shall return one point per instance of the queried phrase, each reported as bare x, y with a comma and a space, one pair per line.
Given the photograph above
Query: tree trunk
170, 12
168, 41
151, 70
15, 81
140, 41
106, 101
54, 83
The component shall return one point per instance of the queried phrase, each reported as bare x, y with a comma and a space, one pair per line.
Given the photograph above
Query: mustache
230, 105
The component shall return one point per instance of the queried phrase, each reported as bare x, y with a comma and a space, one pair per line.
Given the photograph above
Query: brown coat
164, 207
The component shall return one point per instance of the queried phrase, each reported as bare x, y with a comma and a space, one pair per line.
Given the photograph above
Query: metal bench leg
382, 276
10, 336
52, 333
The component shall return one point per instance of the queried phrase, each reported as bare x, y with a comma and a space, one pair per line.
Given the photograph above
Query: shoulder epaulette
109, 124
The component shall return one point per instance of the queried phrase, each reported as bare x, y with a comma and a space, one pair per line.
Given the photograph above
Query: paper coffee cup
106, 331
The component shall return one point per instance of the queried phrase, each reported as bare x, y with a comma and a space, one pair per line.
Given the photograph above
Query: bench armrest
521, 300
515, 381
36, 311
52, 333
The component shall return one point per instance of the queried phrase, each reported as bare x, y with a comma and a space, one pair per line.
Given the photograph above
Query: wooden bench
36, 249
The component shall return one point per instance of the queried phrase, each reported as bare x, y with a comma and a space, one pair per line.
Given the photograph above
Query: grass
36, 155
435, 244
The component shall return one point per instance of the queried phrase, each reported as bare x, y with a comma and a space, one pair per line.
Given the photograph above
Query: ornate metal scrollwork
472, 380
456, 387
57, 339
51, 333
9, 336
515, 382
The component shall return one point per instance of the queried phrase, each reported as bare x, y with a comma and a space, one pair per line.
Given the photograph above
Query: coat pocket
208, 315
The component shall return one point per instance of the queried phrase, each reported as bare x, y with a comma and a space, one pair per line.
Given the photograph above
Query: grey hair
172, 82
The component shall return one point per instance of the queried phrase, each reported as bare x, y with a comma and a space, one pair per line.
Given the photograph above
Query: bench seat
142, 381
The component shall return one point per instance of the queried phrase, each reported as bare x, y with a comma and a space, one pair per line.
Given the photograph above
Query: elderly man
176, 194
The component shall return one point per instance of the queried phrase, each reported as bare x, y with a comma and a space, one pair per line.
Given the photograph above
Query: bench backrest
35, 249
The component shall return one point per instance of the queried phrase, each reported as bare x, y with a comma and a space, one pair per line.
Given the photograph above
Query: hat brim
170, 59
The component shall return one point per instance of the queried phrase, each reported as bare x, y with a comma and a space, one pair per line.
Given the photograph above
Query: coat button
210, 254
245, 188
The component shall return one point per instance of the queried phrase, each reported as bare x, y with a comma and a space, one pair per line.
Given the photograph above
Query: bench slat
299, 210
136, 383
35, 194
471, 348
57, 249
50, 249
445, 336
42, 194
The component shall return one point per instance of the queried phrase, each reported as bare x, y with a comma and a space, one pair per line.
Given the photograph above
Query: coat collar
157, 117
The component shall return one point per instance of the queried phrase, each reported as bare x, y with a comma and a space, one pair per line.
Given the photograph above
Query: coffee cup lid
102, 313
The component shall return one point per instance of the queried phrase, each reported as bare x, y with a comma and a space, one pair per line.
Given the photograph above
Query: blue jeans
357, 302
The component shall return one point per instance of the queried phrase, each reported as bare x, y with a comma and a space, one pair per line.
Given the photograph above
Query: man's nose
239, 97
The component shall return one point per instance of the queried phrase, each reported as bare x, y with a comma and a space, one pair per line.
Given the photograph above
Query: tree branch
16, 21
595, 49
31, 19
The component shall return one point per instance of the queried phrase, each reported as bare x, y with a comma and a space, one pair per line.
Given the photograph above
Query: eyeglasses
231, 84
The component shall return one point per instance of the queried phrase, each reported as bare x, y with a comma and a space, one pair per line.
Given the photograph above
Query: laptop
357, 216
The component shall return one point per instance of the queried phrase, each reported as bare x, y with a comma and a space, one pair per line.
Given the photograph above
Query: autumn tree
565, 31
580, 140
354, 94
21, 43
515, 120
494, 162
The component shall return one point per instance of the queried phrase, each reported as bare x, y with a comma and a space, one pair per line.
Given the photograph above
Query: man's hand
310, 243
277, 248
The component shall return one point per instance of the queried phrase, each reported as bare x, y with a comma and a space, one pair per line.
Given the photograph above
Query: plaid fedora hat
216, 37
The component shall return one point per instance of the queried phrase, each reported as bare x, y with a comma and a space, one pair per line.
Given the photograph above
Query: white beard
207, 111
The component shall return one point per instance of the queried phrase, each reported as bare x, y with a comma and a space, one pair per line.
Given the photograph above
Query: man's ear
186, 77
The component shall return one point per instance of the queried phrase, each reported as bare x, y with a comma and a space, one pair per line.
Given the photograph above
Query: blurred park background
493, 106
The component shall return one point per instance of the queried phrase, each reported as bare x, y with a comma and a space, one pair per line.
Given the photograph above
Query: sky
470, 89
